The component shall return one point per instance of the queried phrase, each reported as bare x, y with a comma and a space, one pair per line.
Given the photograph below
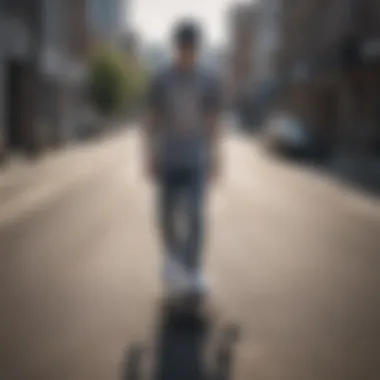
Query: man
182, 154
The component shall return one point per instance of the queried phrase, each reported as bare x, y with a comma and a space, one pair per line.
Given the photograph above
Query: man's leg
194, 193
168, 203
176, 280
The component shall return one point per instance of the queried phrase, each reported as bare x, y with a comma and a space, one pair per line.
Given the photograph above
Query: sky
153, 19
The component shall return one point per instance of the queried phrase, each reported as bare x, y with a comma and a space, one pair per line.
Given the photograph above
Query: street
293, 257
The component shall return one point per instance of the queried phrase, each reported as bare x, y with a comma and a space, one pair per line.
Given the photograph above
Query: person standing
182, 154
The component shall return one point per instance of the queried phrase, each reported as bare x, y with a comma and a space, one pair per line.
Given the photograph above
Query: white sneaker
176, 280
199, 284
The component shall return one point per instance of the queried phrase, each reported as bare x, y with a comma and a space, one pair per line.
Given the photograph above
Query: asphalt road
293, 257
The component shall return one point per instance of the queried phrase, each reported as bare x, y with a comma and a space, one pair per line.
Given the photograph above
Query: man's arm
151, 124
214, 139
149, 132
213, 109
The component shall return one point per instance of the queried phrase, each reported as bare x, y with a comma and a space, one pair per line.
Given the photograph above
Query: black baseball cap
187, 34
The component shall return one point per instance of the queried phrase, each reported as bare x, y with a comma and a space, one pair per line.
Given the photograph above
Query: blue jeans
182, 195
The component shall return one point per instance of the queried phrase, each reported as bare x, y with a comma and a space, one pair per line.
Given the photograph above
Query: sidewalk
361, 171
28, 184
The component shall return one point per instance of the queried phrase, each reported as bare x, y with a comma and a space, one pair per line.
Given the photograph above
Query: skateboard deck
190, 306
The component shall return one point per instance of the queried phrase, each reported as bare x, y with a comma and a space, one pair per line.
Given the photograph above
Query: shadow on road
186, 348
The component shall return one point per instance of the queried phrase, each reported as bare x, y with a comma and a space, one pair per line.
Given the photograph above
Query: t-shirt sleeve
213, 96
155, 94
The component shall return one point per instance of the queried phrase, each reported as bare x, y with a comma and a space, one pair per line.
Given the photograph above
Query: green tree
137, 80
108, 82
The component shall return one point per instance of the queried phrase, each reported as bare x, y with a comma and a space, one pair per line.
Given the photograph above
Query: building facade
20, 24
243, 21
268, 39
63, 55
41, 61
329, 56
313, 33
107, 20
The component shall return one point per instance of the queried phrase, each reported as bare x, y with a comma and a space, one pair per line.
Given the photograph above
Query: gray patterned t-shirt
182, 100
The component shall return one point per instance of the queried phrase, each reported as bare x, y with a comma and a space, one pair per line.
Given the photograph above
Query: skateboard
192, 306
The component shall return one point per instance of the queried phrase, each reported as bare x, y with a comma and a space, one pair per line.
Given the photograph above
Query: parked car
286, 135
256, 103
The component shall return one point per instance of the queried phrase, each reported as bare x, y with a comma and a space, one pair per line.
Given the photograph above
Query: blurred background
303, 74
294, 238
